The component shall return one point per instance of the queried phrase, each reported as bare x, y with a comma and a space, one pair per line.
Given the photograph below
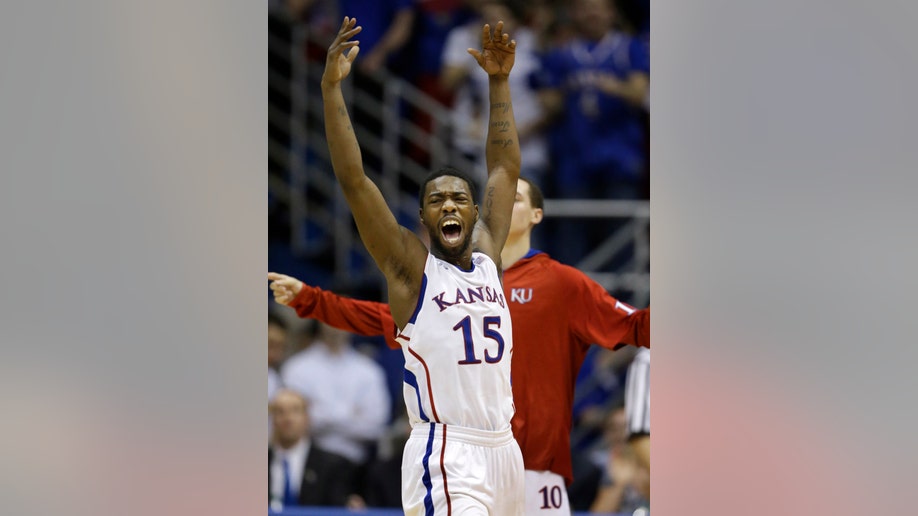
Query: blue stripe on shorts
428, 498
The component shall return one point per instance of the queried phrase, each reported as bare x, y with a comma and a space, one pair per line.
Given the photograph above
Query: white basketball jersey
457, 348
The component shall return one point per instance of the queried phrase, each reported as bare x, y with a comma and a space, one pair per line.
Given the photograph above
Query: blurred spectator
423, 60
600, 386
320, 17
595, 87
304, 336
384, 474
299, 471
277, 343
626, 482
549, 20
349, 400
471, 106
387, 26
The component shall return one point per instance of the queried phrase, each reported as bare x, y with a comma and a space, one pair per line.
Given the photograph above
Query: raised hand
337, 63
498, 51
284, 287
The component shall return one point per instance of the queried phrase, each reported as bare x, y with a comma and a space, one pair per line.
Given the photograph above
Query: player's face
449, 215
524, 215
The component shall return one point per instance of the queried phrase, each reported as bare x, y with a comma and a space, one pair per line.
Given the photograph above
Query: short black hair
448, 171
277, 320
536, 198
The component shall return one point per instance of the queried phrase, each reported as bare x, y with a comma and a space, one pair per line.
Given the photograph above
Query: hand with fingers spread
497, 51
337, 63
284, 287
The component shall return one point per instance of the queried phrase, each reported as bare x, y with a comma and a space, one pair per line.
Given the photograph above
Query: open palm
337, 63
498, 51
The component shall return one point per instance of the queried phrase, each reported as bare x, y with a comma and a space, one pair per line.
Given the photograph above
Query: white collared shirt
349, 402
296, 460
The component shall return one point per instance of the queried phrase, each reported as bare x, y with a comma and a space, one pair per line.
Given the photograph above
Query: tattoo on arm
502, 126
502, 143
503, 106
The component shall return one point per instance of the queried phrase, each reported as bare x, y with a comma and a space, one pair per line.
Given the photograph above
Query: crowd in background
580, 88
580, 93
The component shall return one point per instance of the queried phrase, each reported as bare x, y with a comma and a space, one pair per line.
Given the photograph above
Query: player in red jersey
557, 312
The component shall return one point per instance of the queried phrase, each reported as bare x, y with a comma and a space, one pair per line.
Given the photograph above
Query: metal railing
633, 276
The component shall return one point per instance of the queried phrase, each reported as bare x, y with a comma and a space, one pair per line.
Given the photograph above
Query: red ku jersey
557, 312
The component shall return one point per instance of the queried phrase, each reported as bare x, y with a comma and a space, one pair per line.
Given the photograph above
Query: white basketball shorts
455, 470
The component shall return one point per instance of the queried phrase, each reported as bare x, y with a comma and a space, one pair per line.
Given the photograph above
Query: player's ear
537, 215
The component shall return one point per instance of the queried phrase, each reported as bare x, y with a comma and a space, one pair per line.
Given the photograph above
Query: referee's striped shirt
637, 394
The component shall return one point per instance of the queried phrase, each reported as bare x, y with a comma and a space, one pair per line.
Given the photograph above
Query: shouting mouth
451, 230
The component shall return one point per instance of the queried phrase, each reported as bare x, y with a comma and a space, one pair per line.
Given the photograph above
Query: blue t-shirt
597, 133
374, 16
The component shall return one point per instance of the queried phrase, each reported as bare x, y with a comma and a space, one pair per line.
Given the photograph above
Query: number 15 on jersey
489, 333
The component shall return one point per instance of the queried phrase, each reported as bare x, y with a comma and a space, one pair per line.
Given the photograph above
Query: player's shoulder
541, 262
570, 272
482, 259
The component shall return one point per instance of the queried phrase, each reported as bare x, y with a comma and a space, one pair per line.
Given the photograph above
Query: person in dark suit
300, 473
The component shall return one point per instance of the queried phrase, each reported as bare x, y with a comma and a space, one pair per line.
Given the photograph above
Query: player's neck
515, 249
462, 260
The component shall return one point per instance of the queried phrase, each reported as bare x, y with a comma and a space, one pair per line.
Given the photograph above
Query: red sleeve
367, 318
598, 317
641, 328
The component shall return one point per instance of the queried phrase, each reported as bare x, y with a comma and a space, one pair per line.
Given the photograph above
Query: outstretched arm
641, 322
598, 317
502, 150
398, 252
366, 318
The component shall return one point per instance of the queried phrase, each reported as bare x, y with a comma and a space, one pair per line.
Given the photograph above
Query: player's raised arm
398, 252
502, 149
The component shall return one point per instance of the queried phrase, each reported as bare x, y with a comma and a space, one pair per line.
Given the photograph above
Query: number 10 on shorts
551, 498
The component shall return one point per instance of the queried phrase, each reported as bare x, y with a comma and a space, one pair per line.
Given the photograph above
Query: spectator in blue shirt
594, 92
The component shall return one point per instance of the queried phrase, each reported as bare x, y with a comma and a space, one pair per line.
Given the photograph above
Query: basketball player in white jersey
447, 302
